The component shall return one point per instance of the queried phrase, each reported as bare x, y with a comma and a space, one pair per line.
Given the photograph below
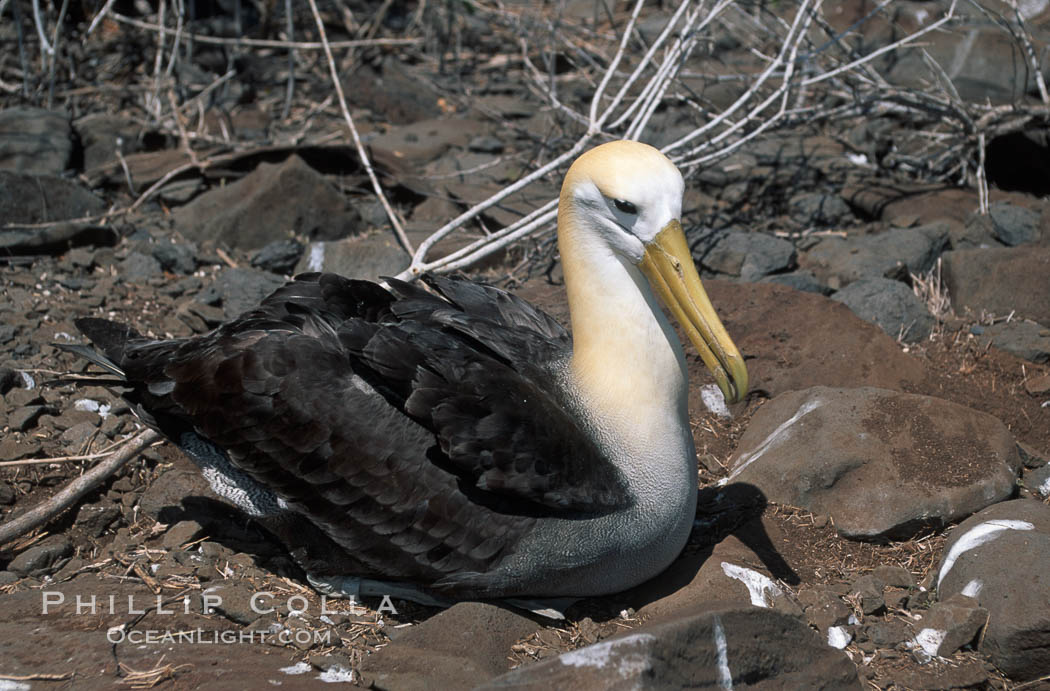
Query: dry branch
76, 489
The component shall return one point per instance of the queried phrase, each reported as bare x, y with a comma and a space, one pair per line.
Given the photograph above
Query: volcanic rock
880, 463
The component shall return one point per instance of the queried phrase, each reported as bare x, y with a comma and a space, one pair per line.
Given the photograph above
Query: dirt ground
139, 552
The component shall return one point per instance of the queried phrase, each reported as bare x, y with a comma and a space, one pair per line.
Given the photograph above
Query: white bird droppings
1044, 489
858, 159
761, 588
773, 439
973, 588
838, 637
975, 537
628, 663
930, 640
298, 668
713, 400
725, 677
27, 380
316, 261
8, 685
92, 406
337, 675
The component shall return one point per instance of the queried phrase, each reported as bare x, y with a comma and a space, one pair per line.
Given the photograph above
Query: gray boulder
1001, 558
35, 141
749, 256
1025, 339
1000, 281
265, 205
839, 261
880, 463
461, 647
723, 647
890, 304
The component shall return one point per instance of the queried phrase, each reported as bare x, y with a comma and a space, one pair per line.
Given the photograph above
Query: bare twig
99, 17
45, 47
76, 489
1029, 51
264, 43
391, 214
54, 58
290, 89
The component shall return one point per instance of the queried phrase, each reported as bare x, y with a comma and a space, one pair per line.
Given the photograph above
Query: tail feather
92, 356
111, 337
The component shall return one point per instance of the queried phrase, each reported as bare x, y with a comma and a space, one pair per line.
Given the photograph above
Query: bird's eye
625, 207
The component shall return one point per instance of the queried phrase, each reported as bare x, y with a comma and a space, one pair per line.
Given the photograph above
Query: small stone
886, 634
74, 416
336, 661
589, 631
1038, 481
7, 494
43, 558
814, 208
176, 258
1013, 225
951, 624
917, 600
895, 598
12, 449
138, 267
279, 256
8, 577
77, 435
486, 144
93, 519
233, 600
896, 576
1038, 385
889, 304
869, 589
823, 608
181, 533
214, 550
23, 397
69, 569
26, 417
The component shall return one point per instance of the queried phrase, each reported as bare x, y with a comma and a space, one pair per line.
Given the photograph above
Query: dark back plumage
423, 433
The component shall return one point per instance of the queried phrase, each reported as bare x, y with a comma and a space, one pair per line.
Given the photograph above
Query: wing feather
422, 433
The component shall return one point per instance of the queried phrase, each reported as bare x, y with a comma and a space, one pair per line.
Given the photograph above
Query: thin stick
63, 459
39, 676
982, 178
265, 43
99, 17
290, 90
45, 47
362, 154
1029, 49
54, 57
75, 490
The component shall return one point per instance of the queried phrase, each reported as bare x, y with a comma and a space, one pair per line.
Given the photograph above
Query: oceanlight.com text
302, 637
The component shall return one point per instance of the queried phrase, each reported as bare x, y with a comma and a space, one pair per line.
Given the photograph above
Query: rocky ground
874, 515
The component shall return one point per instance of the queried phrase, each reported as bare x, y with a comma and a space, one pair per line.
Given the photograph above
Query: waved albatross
460, 443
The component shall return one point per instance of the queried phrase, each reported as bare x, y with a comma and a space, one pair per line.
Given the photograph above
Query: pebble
43, 558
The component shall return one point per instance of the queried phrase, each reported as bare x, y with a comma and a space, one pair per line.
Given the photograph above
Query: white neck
627, 366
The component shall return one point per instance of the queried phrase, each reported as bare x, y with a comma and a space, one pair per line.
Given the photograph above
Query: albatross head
625, 198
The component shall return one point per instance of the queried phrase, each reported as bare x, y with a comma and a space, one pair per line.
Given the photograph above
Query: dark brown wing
415, 431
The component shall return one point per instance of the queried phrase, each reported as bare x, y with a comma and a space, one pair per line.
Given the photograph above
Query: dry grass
147, 679
929, 287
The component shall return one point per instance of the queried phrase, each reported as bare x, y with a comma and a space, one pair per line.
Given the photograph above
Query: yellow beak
668, 265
